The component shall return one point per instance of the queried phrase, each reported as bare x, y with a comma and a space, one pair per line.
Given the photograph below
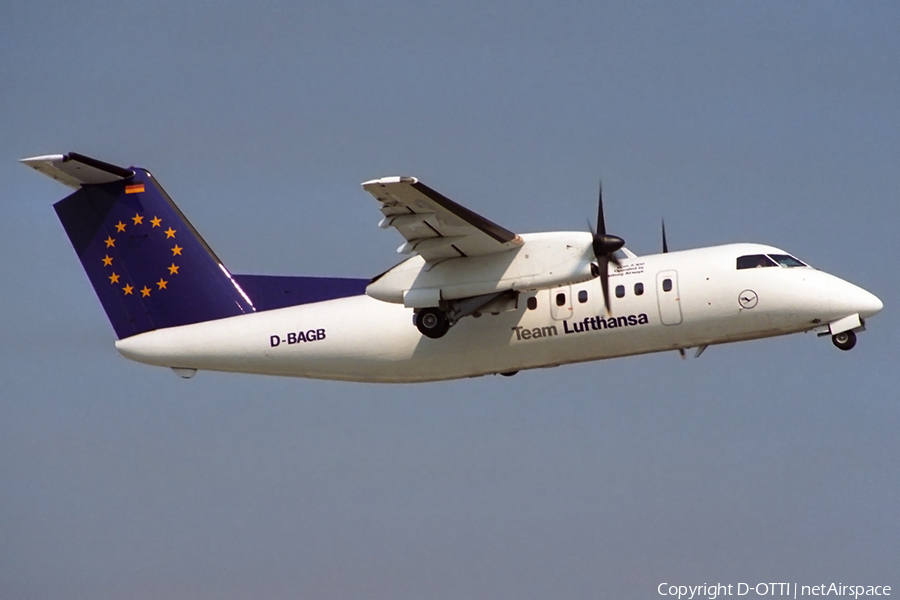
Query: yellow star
114, 278
162, 283
138, 219
127, 289
156, 221
173, 270
107, 260
110, 242
120, 226
145, 292
170, 233
176, 251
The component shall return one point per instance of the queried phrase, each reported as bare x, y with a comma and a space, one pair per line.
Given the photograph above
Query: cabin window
532, 302
755, 261
582, 296
786, 260
667, 285
620, 291
639, 289
560, 299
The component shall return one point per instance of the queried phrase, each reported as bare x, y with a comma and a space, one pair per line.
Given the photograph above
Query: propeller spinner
605, 247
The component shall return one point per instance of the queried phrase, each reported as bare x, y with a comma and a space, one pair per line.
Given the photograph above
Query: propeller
605, 247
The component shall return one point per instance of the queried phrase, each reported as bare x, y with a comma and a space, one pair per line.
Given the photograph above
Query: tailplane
148, 265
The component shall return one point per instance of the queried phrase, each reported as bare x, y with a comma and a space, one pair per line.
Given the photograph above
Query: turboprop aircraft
472, 298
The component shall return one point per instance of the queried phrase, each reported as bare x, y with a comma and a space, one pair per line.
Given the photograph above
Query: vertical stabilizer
148, 265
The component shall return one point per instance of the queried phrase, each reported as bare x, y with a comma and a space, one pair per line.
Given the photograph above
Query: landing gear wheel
432, 322
844, 340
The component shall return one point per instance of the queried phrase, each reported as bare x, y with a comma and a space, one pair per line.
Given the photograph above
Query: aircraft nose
861, 301
869, 304
845, 298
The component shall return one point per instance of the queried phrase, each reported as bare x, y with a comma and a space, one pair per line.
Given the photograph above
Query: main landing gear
435, 321
432, 322
844, 340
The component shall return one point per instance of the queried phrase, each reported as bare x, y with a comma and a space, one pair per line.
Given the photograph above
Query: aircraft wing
434, 226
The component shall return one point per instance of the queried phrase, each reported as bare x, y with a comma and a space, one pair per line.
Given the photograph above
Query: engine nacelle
544, 260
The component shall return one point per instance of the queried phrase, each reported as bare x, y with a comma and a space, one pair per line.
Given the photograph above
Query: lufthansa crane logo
748, 299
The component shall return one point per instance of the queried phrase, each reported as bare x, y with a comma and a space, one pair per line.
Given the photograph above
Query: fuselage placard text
310, 335
585, 325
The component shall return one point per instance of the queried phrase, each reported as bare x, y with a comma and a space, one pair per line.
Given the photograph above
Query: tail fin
148, 265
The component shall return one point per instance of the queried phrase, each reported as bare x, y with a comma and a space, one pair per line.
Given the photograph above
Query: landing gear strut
432, 322
435, 321
844, 340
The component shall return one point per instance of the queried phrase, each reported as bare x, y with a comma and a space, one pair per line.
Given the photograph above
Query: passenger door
561, 303
668, 298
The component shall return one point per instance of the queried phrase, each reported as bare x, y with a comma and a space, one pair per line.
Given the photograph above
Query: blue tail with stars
149, 266
147, 263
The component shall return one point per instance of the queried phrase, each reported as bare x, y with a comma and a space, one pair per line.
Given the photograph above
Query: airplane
472, 298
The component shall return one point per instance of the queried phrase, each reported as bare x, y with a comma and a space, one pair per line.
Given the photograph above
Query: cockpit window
753, 261
786, 260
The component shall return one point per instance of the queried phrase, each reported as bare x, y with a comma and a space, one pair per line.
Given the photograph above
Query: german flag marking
134, 189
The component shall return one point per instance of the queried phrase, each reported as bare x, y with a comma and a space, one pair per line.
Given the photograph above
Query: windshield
755, 261
786, 260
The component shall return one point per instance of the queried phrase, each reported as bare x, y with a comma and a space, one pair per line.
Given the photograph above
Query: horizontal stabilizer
75, 170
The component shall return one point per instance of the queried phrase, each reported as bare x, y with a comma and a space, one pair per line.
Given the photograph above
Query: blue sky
773, 460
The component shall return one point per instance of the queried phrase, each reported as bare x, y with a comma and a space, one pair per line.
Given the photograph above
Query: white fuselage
360, 338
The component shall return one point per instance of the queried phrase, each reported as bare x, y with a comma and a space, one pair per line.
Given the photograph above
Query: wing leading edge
434, 226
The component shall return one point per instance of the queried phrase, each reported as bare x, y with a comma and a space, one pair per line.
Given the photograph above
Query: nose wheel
844, 340
432, 322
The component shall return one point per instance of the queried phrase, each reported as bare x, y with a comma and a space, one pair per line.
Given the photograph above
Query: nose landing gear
844, 340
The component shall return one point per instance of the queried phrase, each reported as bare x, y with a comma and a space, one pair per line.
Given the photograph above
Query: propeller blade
601, 222
603, 272
665, 245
